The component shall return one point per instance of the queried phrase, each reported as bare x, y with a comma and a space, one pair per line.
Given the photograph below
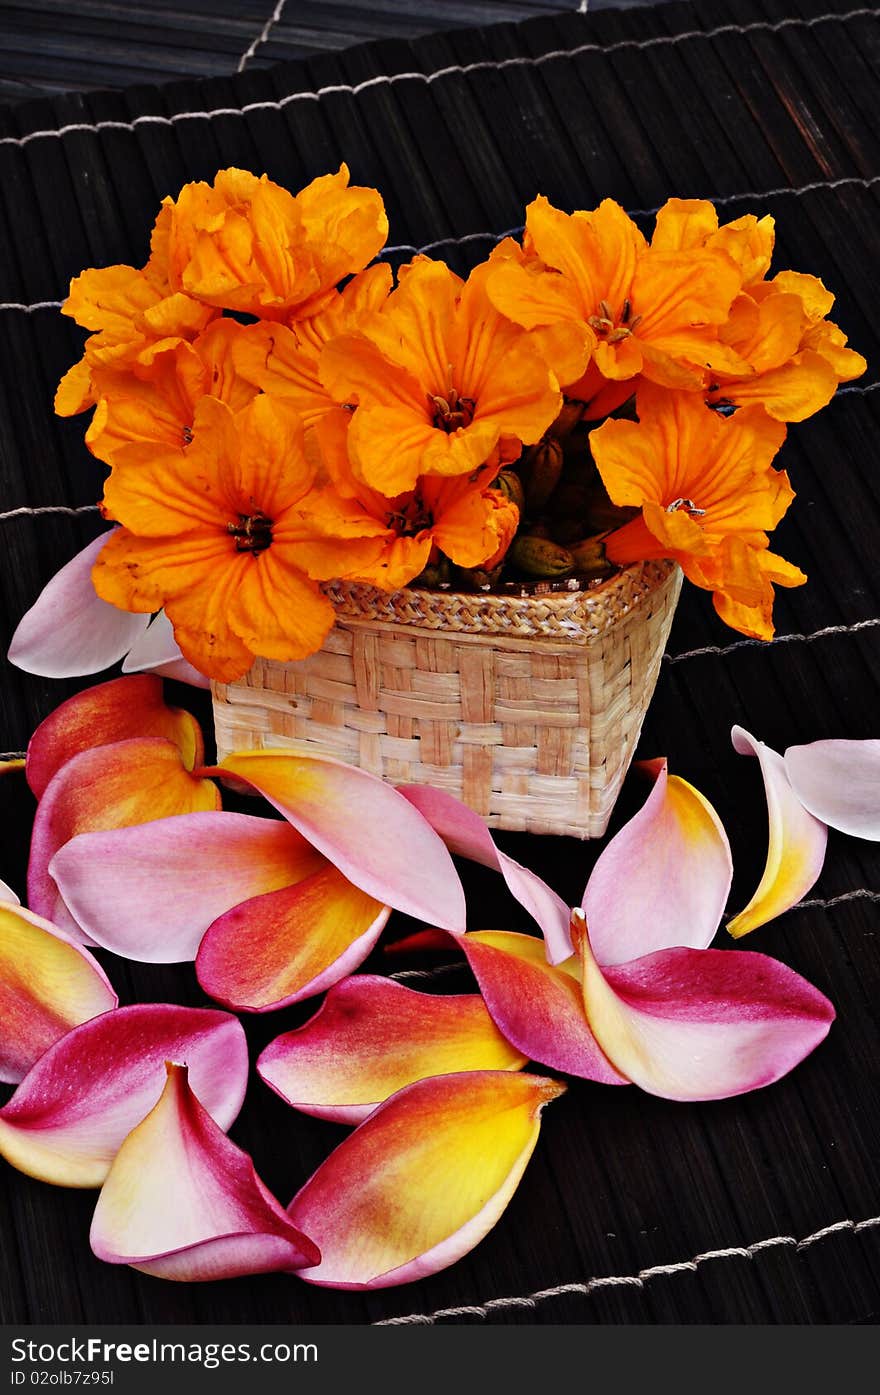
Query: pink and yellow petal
129, 782
48, 984
796, 843
363, 826
691, 1024
536, 1005
663, 880
372, 1037
466, 835
149, 892
69, 1116
289, 944
115, 711
422, 1180
182, 1202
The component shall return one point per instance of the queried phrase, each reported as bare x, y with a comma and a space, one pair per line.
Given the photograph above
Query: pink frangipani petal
796, 844
839, 783
691, 1024
68, 1118
372, 1037
150, 891
69, 630
157, 651
363, 826
466, 835
423, 1179
182, 1202
663, 880
48, 984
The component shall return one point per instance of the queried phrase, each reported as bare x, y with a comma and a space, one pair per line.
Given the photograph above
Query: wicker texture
527, 708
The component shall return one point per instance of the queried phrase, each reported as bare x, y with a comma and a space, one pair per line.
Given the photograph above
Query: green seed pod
542, 466
538, 557
510, 485
589, 558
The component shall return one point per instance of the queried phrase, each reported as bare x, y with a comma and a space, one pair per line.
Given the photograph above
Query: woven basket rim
577, 615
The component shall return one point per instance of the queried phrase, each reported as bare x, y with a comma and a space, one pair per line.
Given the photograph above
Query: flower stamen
688, 505
252, 532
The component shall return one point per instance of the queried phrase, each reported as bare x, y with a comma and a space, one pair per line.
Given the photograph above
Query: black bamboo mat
764, 1209
55, 45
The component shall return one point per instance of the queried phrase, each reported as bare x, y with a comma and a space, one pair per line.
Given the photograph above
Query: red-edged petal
69, 630
702, 1024
48, 984
114, 711
182, 1202
839, 783
423, 1179
537, 1006
68, 1118
466, 835
114, 786
796, 844
366, 829
663, 880
289, 944
150, 891
370, 1038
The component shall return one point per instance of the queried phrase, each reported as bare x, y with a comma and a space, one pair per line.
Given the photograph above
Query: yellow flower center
610, 328
252, 532
449, 410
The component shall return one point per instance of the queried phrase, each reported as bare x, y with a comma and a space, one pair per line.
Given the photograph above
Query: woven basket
528, 708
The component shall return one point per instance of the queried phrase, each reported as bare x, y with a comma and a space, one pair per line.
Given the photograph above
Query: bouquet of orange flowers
278, 411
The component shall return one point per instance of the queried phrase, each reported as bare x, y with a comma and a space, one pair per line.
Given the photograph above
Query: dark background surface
776, 111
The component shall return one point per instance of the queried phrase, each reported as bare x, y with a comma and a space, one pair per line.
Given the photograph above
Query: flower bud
539, 557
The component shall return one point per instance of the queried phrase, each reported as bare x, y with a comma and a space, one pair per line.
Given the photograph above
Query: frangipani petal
182, 1202
157, 651
130, 782
701, 1024
466, 835
537, 1006
796, 847
114, 711
150, 891
289, 944
68, 1118
48, 984
372, 1037
839, 783
663, 880
366, 829
423, 1179
69, 630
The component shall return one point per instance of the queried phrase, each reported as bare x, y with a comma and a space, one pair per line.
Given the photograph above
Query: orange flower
708, 492
592, 290
216, 535
135, 314
795, 357
246, 244
397, 537
157, 401
285, 361
442, 383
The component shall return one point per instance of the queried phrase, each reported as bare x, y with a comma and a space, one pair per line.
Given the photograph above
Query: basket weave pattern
526, 708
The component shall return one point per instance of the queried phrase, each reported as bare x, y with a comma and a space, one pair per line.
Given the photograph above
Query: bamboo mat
759, 1209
